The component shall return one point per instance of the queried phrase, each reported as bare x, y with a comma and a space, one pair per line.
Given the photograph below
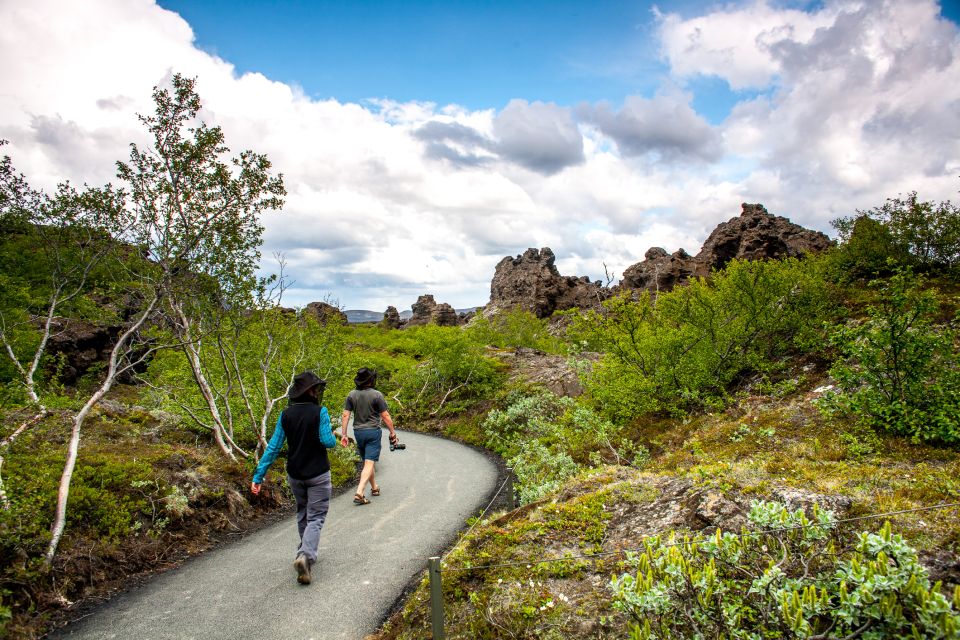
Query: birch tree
198, 217
194, 218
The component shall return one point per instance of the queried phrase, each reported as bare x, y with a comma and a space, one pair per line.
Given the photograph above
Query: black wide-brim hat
365, 378
303, 382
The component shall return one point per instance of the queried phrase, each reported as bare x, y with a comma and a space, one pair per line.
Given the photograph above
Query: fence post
436, 599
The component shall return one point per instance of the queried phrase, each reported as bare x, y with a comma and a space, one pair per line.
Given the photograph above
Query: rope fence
436, 562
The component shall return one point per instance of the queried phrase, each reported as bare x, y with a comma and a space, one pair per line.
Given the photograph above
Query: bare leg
366, 475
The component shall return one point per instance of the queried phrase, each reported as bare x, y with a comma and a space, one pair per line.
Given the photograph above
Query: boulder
531, 281
75, 346
324, 313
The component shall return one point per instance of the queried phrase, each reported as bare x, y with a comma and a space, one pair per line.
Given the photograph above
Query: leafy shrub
515, 328
898, 372
546, 439
793, 578
685, 348
452, 364
867, 250
540, 471
904, 231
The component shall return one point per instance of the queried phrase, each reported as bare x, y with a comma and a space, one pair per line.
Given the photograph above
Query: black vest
306, 455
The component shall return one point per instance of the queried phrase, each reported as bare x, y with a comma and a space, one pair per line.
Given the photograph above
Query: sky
421, 142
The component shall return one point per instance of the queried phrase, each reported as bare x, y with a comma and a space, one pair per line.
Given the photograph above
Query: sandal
359, 499
375, 492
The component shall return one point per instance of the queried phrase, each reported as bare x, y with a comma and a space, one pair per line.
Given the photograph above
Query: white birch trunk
63, 493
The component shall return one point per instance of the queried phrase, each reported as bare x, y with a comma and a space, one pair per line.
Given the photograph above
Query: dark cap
365, 378
303, 382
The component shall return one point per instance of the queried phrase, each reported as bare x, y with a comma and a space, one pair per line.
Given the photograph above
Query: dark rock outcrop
423, 310
427, 311
76, 346
754, 235
391, 318
445, 315
531, 281
324, 313
758, 235
660, 271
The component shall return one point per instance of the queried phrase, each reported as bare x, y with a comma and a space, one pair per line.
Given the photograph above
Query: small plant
789, 576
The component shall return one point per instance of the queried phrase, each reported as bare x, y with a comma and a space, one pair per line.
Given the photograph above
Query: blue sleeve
273, 448
326, 433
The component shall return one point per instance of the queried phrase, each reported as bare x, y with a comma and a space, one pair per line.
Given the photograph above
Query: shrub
547, 439
515, 328
898, 371
904, 231
792, 578
685, 348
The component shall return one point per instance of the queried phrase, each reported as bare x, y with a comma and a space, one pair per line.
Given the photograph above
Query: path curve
368, 554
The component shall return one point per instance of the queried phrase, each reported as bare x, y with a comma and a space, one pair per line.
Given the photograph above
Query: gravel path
368, 554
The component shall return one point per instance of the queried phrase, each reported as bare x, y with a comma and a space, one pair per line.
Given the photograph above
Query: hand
344, 441
393, 438
255, 488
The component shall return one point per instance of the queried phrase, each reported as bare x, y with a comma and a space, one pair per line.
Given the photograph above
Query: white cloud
733, 43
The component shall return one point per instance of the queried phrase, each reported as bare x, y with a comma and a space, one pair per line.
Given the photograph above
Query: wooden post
436, 599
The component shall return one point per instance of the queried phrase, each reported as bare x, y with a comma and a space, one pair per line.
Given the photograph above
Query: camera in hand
396, 444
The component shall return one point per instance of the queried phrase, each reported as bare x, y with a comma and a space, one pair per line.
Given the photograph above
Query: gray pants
313, 501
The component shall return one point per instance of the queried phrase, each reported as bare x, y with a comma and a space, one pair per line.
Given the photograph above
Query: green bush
515, 328
899, 372
685, 348
792, 578
905, 231
546, 439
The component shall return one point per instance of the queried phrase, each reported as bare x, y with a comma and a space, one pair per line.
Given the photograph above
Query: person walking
369, 409
306, 425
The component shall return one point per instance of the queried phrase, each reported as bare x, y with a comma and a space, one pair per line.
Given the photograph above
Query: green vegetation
787, 576
686, 349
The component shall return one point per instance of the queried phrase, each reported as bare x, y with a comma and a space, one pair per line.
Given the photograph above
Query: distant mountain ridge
359, 316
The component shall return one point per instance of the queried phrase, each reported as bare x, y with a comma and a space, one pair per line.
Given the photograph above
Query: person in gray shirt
369, 409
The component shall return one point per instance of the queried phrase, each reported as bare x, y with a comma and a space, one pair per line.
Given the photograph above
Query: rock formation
757, 235
77, 345
445, 315
754, 235
422, 311
324, 312
531, 281
426, 311
660, 271
391, 318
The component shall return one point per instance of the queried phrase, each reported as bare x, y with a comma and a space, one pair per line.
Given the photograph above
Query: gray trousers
313, 501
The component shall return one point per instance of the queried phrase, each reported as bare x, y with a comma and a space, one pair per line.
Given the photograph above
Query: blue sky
421, 142
476, 54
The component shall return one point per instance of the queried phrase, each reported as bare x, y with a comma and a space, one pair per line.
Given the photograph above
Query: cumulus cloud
664, 125
541, 137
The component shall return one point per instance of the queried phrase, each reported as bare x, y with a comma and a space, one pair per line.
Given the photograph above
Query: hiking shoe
303, 569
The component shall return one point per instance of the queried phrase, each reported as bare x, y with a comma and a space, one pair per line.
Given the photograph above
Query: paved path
248, 589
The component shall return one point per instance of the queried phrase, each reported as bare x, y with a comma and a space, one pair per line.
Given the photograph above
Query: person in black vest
306, 425
369, 409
